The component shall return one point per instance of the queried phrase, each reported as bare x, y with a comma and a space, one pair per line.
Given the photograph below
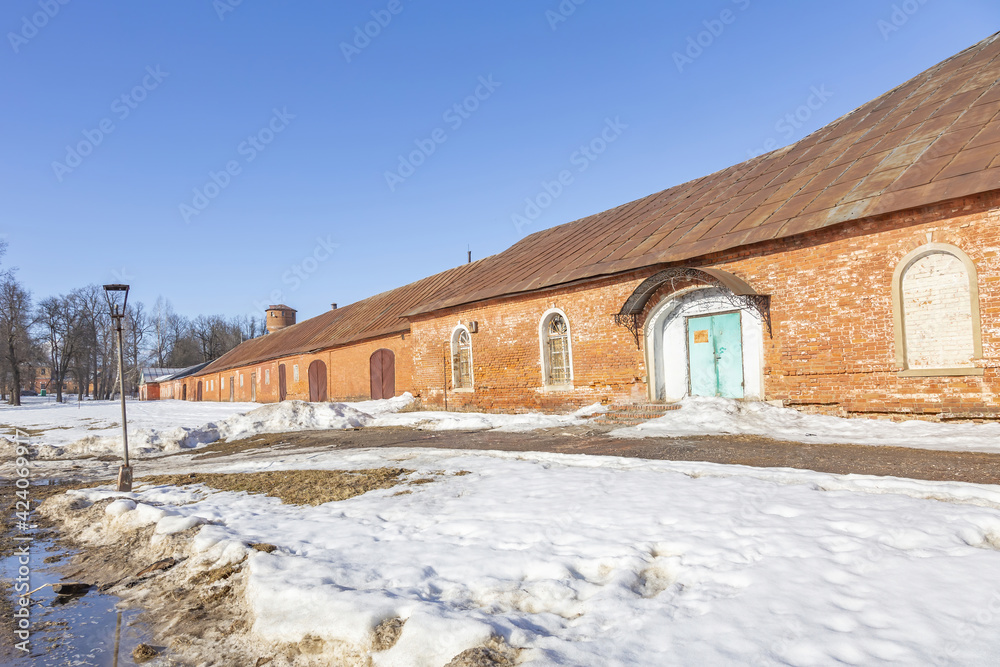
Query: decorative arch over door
317, 382
382, 367
734, 288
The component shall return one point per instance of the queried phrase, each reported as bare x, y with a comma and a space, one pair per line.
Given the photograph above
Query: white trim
472, 368
698, 301
542, 336
899, 311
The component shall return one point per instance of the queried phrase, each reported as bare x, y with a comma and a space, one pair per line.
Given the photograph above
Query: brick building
855, 271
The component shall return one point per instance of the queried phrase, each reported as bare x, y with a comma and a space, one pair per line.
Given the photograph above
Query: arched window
461, 358
557, 362
936, 312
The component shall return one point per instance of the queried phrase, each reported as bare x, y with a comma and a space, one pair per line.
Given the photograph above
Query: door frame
665, 341
687, 346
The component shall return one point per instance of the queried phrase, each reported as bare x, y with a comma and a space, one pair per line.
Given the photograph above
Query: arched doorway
317, 382
198, 395
705, 335
282, 383
698, 344
184, 392
382, 368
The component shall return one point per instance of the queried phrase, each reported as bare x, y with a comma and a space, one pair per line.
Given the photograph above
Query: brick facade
831, 347
347, 376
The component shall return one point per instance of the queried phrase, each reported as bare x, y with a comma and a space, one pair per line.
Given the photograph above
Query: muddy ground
746, 450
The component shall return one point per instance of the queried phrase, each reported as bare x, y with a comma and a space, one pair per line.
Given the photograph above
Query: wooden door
184, 392
232, 388
282, 383
317, 382
199, 391
382, 368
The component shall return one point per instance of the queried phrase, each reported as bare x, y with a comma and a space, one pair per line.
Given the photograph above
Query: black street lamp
117, 296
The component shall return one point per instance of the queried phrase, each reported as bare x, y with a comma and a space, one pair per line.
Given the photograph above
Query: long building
855, 271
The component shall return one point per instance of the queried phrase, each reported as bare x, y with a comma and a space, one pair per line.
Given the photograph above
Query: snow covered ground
160, 427
608, 561
716, 416
93, 428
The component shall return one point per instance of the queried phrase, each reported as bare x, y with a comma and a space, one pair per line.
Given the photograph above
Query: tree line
73, 335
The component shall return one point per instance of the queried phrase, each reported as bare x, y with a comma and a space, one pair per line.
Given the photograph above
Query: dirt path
741, 450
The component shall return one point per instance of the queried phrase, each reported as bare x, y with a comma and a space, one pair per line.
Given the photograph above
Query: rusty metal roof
376, 316
934, 138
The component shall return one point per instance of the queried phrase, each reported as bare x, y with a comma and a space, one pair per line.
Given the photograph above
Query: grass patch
31, 432
293, 487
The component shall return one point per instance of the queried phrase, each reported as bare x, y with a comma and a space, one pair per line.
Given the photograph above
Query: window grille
557, 351
462, 360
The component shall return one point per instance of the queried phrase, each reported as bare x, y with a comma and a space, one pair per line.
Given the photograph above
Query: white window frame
543, 324
267, 376
295, 372
454, 349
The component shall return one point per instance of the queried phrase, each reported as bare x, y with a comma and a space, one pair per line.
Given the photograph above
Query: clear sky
232, 153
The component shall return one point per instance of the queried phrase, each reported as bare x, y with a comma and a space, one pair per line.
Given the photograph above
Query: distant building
149, 379
40, 378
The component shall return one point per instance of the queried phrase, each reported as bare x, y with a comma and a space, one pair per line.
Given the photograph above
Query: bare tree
137, 328
60, 318
15, 330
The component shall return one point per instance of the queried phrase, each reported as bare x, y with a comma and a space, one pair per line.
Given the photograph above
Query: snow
163, 427
479, 421
603, 560
715, 416
74, 430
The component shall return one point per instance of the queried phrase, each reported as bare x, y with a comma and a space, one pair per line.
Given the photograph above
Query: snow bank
479, 421
293, 416
600, 560
710, 416
272, 418
288, 416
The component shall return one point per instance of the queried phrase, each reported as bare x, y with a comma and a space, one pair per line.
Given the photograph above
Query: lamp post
117, 296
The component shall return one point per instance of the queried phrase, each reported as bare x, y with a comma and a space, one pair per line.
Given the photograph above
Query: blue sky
229, 154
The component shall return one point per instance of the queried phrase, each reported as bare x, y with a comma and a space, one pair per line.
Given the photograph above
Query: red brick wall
832, 349
833, 344
347, 374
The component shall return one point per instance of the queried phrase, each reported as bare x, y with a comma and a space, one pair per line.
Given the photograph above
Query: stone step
630, 414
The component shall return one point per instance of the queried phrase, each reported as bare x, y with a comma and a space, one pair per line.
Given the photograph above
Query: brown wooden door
282, 383
199, 391
317, 382
184, 392
382, 366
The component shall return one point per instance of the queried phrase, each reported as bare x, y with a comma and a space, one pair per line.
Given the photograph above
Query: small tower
279, 317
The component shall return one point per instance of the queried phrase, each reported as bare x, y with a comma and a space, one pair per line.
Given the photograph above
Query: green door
715, 355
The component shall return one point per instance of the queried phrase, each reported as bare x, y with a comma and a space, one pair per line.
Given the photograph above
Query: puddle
83, 630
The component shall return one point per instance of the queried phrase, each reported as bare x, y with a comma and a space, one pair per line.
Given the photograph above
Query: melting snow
601, 560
